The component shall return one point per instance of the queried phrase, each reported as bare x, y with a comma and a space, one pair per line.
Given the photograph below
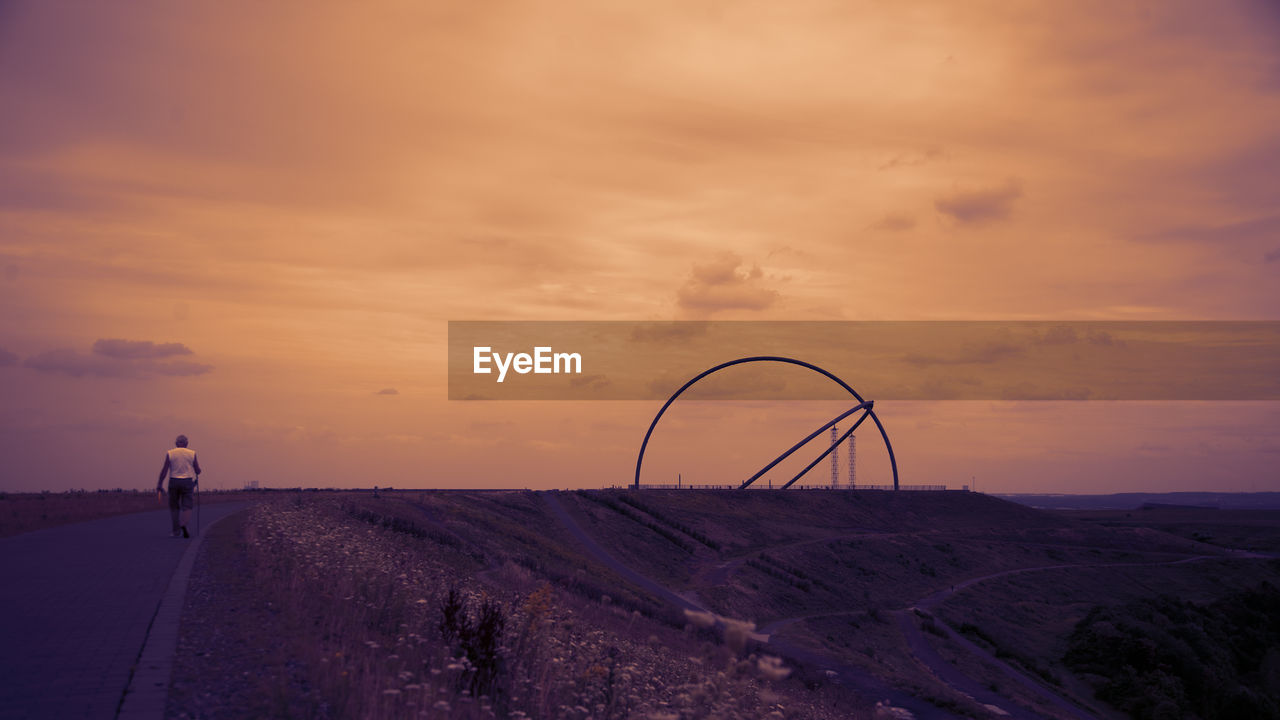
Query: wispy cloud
725, 283
1067, 335
594, 381
980, 205
913, 158
988, 353
895, 222
138, 349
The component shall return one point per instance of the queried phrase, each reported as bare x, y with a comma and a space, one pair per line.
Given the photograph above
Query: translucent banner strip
944, 360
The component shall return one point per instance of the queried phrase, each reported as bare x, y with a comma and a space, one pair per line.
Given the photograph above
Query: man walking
183, 469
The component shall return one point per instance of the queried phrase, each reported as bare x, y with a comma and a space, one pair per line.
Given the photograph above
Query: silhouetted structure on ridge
866, 406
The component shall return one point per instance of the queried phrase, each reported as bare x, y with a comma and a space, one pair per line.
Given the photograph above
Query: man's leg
173, 505
188, 486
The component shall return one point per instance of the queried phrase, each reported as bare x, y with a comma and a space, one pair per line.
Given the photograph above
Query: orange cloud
980, 205
725, 283
313, 219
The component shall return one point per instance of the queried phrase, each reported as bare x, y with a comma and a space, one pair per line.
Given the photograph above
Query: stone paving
76, 605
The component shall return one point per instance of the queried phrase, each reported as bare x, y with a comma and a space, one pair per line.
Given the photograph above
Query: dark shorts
180, 490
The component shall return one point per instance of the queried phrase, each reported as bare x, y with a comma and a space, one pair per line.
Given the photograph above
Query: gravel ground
232, 657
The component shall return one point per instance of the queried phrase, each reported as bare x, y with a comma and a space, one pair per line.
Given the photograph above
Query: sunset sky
251, 223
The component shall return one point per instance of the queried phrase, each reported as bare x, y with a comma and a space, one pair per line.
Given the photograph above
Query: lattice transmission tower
835, 459
853, 468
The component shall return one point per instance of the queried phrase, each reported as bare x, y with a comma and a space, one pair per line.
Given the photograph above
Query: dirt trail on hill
869, 686
956, 678
931, 601
953, 676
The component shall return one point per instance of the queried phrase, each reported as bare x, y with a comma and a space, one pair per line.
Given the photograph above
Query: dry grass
362, 586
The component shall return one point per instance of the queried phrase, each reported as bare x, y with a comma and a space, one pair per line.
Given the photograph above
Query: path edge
148, 690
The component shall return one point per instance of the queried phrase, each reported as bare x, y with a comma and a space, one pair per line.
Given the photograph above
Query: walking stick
197, 506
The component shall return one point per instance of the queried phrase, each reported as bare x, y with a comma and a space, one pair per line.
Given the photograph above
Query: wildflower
699, 618
771, 668
886, 711
441, 705
736, 633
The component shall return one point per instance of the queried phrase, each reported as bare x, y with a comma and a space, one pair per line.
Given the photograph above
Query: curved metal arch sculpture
864, 405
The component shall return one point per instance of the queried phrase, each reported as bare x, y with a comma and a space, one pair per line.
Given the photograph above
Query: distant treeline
1134, 501
1168, 658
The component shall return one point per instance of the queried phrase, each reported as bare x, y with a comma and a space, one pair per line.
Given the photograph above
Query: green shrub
1165, 657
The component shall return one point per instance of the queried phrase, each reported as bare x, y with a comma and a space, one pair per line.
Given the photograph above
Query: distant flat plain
24, 512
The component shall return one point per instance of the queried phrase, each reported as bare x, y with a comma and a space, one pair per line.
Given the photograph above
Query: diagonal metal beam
833, 447
860, 406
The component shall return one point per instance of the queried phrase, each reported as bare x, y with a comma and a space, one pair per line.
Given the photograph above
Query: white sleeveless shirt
181, 462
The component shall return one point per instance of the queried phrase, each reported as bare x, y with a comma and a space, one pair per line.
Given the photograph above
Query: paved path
951, 675
75, 609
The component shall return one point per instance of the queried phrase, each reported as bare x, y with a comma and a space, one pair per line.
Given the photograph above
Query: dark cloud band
138, 349
119, 359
